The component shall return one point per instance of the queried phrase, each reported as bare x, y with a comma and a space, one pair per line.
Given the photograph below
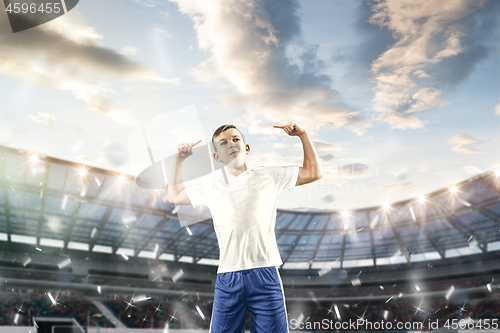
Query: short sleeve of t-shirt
285, 177
198, 193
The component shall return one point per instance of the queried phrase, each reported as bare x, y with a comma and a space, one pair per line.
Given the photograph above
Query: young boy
243, 207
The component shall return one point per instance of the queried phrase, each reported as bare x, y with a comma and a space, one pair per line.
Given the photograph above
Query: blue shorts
257, 290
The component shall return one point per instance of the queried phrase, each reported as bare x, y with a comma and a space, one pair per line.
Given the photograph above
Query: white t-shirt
244, 215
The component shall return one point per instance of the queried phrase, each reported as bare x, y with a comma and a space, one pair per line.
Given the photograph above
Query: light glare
82, 171
34, 158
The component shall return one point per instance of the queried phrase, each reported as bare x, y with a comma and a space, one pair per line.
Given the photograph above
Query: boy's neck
236, 171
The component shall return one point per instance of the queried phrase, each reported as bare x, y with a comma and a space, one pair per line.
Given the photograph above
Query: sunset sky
400, 97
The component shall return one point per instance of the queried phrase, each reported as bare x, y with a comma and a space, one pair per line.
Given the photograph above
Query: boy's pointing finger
195, 143
278, 126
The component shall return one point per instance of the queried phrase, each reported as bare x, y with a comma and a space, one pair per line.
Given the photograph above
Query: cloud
258, 47
163, 32
354, 171
421, 74
497, 109
147, 3
115, 153
88, 160
129, 51
459, 138
43, 118
472, 170
429, 36
322, 146
164, 15
371, 41
398, 186
401, 121
461, 142
65, 54
464, 149
326, 158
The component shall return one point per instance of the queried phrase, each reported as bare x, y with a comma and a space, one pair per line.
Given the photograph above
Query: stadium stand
95, 238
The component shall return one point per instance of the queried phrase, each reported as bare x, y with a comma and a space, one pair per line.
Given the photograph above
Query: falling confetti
26, 262
390, 298
94, 233
489, 287
450, 292
129, 219
52, 299
83, 191
412, 214
337, 312
124, 256
328, 198
76, 147
401, 173
200, 312
16, 318
140, 298
417, 287
386, 314
98, 182
325, 270
178, 275
64, 202
374, 222
99, 289
189, 231
64, 263
356, 282
343, 274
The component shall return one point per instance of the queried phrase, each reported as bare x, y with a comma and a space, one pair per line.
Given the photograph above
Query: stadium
84, 249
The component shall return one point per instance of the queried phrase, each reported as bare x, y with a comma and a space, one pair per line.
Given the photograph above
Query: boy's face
230, 147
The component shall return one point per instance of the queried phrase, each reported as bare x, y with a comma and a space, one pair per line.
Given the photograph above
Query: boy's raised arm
311, 169
176, 188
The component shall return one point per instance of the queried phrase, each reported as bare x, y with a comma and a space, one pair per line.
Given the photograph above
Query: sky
401, 98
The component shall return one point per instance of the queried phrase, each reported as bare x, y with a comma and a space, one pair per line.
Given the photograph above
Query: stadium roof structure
48, 202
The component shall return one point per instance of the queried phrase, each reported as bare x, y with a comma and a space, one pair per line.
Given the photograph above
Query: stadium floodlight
345, 213
386, 206
82, 171
34, 158
421, 199
453, 189
497, 172
122, 179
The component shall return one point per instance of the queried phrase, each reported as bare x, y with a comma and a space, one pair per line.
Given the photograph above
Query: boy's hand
185, 149
292, 129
